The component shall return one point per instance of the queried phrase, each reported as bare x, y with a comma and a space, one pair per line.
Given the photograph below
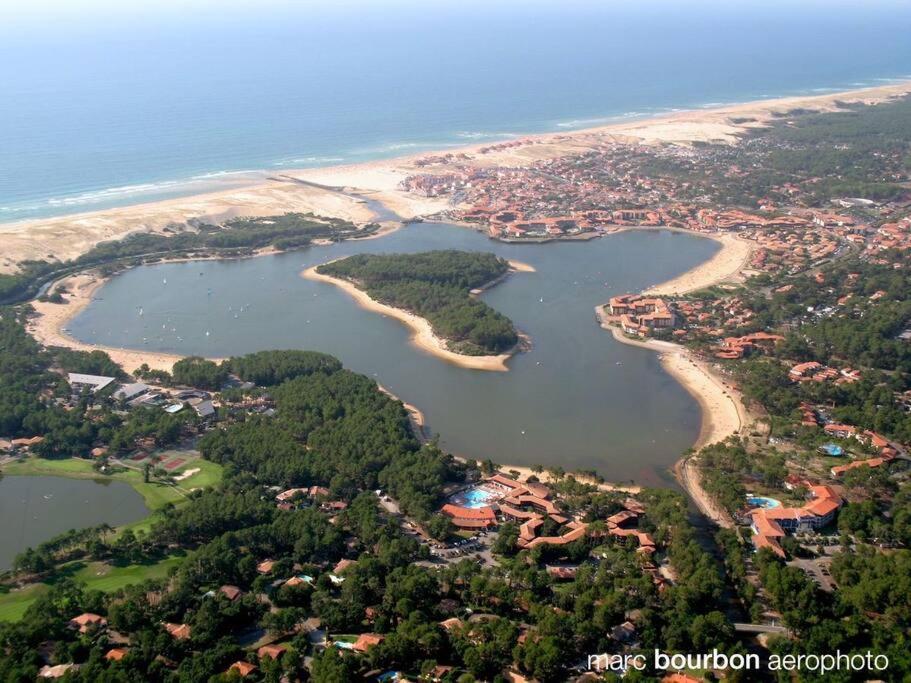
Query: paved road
760, 628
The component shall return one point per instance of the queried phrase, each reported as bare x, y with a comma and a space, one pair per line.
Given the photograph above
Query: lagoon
578, 399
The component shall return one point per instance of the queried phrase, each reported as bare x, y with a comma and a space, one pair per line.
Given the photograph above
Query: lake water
35, 509
578, 399
114, 103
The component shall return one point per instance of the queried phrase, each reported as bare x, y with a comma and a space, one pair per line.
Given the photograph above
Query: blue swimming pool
475, 497
762, 502
832, 449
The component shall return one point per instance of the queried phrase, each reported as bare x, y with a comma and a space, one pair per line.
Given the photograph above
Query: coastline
50, 319
322, 191
48, 324
422, 335
723, 413
725, 266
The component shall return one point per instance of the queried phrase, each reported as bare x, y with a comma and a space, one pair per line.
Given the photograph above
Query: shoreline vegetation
422, 334
236, 238
320, 190
328, 191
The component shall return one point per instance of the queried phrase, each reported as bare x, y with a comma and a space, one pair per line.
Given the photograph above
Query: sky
19, 12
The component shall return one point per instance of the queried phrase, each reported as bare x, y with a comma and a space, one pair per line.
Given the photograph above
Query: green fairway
96, 575
155, 495
99, 575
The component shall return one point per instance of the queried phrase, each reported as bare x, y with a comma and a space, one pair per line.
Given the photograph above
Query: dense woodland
236, 237
336, 429
436, 285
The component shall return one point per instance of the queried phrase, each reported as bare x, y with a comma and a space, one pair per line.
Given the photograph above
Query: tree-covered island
437, 286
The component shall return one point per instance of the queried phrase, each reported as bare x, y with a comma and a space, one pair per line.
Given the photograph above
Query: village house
365, 641
177, 631
738, 347
243, 668
92, 383
271, 651
87, 623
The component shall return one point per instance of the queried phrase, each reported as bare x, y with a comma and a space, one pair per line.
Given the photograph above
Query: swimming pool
475, 497
762, 502
832, 449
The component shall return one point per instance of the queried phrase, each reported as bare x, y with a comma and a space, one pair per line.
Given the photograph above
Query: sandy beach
723, 413
721, 406
726, 266
48, 325
422, 336
333, 196
65, 237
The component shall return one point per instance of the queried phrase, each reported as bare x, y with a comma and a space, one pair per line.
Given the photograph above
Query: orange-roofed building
87, 622
243, 668
680, 678
470, 518
620, 518
365, 641
178, 631
451, 623
769, 525
342, 565
231, 592
839, 430
272, 651
505, 482
116, 654
840, 470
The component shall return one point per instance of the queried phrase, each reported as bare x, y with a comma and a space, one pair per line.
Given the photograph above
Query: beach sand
50, 320
68, 236
723, 414
422, 336
726, 266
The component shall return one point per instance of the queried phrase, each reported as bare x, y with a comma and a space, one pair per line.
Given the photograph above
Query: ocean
109, 107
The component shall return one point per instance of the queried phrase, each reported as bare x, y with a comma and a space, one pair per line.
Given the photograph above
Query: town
303, 525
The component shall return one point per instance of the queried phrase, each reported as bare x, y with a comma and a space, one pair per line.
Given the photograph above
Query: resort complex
566, 501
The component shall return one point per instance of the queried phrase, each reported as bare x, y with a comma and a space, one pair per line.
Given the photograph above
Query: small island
434, 293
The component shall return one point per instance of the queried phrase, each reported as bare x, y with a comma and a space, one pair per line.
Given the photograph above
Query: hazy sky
92, 11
